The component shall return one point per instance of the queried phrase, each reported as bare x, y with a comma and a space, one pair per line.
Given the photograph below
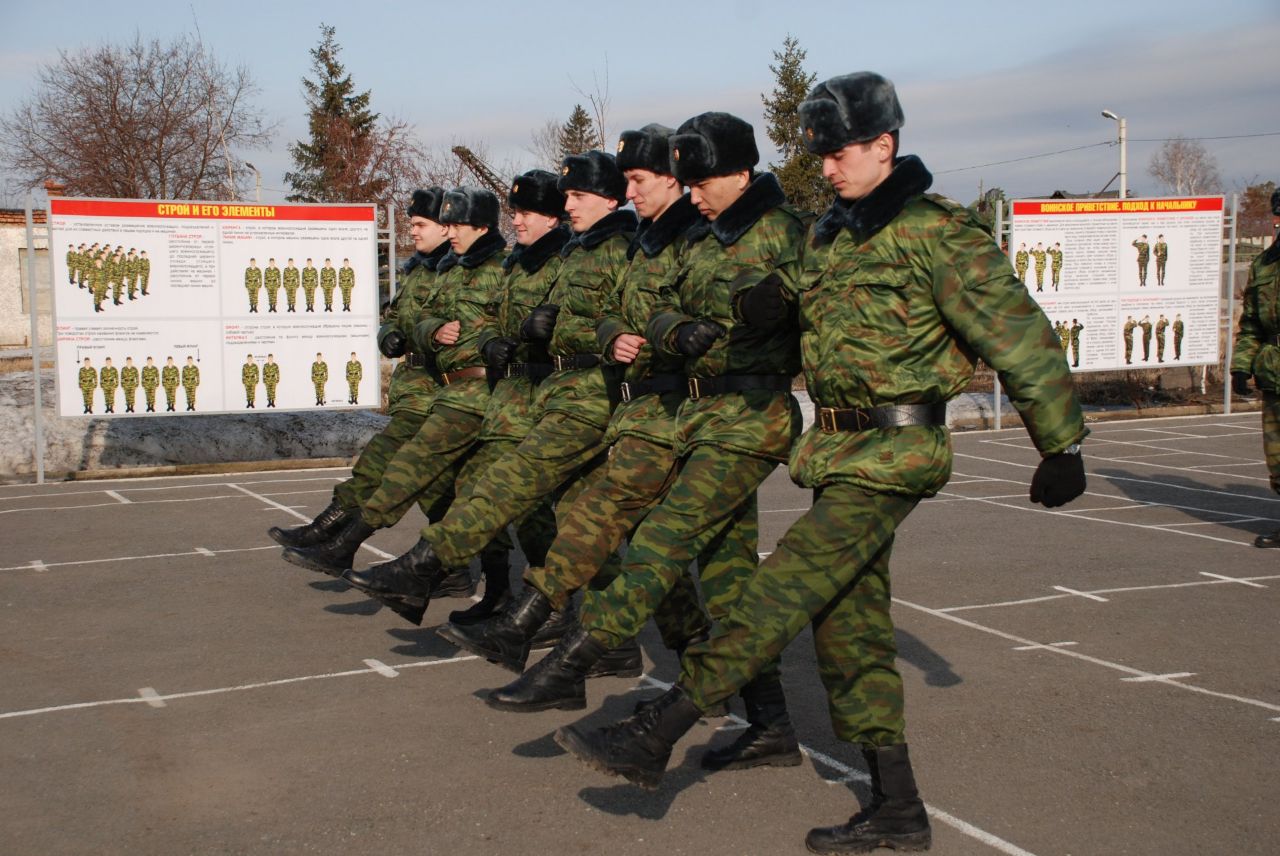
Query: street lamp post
1124, 186
257, 176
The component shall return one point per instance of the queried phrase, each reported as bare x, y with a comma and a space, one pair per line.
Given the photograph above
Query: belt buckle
558, 362
694, 391
626, 392
827, 420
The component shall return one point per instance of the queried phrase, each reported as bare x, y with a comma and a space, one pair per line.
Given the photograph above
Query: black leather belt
701, 387
416, 361
533, 371
655, 383
463, 374
833, 419
1274, 340
575, 361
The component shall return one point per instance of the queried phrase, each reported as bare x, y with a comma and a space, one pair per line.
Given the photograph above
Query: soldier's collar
1272, 253
656, 235
531, 258
602, 230
868, 215
762, 195
486, 247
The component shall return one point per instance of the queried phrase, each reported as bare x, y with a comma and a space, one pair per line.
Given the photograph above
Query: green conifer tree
578, 134
799, 172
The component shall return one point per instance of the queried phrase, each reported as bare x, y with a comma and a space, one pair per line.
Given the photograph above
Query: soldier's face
462, 236
855, 170
427, 234
713, 195
587, 209
650, 192
530, 226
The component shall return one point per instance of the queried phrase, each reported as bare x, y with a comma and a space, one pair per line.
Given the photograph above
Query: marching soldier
1162, 258
1162, 324
169, 376
354, 373
319, 375
249, 375
346, 282
150, 382
1039, 255
1177, 336
1129, 326
1020, 261
144, 272
109, 379
1076, 328
880, 446
190, 380
1145, 324
88, 383
328, 282
1144, 255
1257, 354
129, 383
253, 283
291, 282
271, 281
1055, 253
270, 378
310, 281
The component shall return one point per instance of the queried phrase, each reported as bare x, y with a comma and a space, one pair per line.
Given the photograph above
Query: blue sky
980, 82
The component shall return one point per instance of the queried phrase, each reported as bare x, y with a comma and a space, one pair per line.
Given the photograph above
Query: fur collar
656, 235
481, 251
1272, 253
605, 228
534, 256
762, 195
866, 216
428, 260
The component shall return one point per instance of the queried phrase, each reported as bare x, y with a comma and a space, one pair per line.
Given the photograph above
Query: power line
1198, 139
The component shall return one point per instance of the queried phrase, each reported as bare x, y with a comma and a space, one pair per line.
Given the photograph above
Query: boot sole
290, 555
568, 741
535, 707
788, 760
451, 636
909, 842
617, 673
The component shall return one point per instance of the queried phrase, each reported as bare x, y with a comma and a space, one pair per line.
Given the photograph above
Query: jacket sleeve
1249, 334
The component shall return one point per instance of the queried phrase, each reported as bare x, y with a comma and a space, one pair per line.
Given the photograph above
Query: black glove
1240, 383
393, 344
695, 338
541, 321
762, 306
1058, 480
498, 351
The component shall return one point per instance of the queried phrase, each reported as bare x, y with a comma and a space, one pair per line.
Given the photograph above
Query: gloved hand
498, 351
541, 321
1240, 383
695, 338
1058, 480
762, 306
393, 344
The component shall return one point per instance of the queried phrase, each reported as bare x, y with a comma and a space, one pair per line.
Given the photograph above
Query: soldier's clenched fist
696, 337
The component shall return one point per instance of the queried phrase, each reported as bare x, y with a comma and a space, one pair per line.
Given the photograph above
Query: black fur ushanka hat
593, 172
536, 191
851, 108
470, 206
713, 144
426, 203
648, 148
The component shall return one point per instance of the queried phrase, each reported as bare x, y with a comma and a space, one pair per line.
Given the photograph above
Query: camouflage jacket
468, 290
169, 377
252, 278
1255, 348
291, 277
150, 377
1129, 327
412, 389
1144, 250
1022, 258
1177, 329
88, 379
109, 377
144, 268
592, 264
1146, 330
901, 293
1161, 251
529, 273
249, 374
319, 372
328, 278
271, 278
654, 261
310, 278
1161, 326
129, 377
191, 376
354, 371
756, 235
347, 278
270, 374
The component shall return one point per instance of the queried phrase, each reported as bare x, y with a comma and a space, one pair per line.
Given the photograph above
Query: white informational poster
1127, 284
213, 307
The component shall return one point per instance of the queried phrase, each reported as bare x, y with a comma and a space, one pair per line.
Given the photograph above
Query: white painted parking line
118, 498
38, 566
382, 668
1080, 594
304, 518
1117, 590
44, 566
1242, 582
1045, 645
205, 551
1158, 678
134, 487
151, 697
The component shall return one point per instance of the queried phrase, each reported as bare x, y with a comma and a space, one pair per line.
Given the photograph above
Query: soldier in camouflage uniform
1144, 255
1178, 329
88, 383
109, 380
131, 274
73, 264
1039, 255
346, 282
572, 408
1162, 324
885, 253
271, 282
271, 378
310, 281
1145, 324
129, 383
98, 284
319, 376
253, 283
1055, 255
1021, 259
1074, 333
1129, 326
1256, 354
115, 277
249, 375
190, 381
354, 372
150, 382
169, 379
144, 272
292, 279
1064, 334
83, 263
1162, 258
328, 283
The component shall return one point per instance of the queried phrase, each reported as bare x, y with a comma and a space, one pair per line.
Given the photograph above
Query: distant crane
491, 180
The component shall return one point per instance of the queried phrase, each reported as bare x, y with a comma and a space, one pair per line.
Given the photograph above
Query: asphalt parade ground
1099, 679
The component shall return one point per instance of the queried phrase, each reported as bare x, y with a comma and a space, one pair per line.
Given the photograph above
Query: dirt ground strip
1101, 678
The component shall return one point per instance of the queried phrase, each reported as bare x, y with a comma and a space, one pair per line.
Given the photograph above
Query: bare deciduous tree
544, 145
145, 120
1184, 167
599, 100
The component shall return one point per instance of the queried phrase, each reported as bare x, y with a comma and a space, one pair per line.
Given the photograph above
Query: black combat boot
560, 623
504, 638
404, 583
326, 525
334, 556
456, 583
1272, 540
638, 747
496, 570
894, 818
624, 661
558, 680
769, 739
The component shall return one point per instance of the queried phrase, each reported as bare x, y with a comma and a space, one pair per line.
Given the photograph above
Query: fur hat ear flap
593, 172
851, 108
646, 148
713, 144
470, 206
426, 203
536, 191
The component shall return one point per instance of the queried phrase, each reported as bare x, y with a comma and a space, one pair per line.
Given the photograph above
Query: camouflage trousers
253, 301
1177, 346
1160, 347
88, 398
273, 299
535, 530
366, 474
1160, 266
190, 392
558, 449
291, 298
346, 298
1271, 436
250, 393
831, 569
130, 394
1128, 348
1142, 271
171, 396
328, 299
150, 393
